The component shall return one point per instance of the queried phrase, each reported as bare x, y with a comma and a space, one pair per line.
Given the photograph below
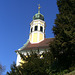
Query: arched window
31, 29
36, 28
41, 28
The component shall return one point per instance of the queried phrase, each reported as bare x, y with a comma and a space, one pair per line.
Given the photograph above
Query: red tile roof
42, 44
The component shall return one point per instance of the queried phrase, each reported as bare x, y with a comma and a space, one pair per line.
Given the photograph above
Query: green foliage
63, 46
71, 73
34, 66
14, 70
61, 57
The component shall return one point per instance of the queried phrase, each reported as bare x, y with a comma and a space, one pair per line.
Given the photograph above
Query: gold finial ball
39, 6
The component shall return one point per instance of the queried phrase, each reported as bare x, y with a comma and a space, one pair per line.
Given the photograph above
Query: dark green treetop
63, 47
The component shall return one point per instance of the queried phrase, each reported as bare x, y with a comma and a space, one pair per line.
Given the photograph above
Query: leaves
62, 47
34, 66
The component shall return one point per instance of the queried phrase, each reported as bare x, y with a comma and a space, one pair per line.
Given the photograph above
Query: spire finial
39, 8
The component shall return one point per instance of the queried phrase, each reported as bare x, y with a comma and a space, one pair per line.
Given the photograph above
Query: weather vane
39, 8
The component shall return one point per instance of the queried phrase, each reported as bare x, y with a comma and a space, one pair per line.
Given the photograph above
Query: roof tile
42, 44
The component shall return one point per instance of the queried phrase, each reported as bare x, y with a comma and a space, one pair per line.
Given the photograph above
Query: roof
38, 16
43, 44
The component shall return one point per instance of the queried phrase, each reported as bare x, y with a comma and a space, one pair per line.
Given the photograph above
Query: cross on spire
39, 8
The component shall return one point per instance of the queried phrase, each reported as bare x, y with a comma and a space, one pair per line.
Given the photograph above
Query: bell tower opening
37, 28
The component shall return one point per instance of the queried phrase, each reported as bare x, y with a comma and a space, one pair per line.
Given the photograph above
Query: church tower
37, 41
37, 28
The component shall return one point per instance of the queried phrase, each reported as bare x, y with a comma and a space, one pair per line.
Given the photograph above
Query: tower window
31, 29
41, 28
36, 28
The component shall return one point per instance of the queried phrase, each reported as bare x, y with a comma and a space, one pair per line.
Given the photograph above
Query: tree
63, 46
2, 68
34, 65
62, 50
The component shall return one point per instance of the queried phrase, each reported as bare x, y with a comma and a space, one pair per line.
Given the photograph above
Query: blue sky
15, 18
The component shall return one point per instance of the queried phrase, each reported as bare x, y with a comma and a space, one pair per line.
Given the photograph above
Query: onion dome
38, 15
